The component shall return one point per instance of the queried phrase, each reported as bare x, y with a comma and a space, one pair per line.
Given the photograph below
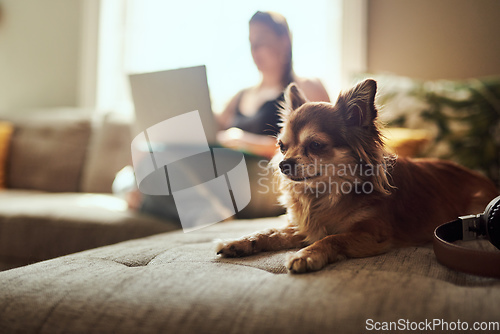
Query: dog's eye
282, 146
315, 146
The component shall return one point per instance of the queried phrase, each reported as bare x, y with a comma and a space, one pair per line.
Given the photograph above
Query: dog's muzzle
294, 172
288, 167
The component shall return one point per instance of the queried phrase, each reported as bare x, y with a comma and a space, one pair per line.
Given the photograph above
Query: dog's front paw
236, 248
306, 260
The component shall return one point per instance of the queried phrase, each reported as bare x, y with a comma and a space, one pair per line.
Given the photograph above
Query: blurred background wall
41, 45
434, 39
39, 53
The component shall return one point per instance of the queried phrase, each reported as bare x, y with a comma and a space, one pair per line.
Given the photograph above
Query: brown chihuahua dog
345, 196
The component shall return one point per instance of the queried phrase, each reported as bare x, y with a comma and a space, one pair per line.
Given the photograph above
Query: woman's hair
278, 24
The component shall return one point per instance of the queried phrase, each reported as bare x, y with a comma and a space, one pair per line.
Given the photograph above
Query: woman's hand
232, 138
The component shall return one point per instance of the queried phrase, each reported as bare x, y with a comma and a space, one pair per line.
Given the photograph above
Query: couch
175, 283
58, 167
166, 281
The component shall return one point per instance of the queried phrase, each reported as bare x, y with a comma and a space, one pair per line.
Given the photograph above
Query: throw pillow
6, 129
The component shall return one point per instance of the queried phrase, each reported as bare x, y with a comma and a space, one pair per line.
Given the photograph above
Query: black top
264, 122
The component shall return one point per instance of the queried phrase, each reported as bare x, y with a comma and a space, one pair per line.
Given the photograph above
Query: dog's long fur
346, 196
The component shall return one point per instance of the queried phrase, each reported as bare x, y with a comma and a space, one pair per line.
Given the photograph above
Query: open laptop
161, 95
171, 150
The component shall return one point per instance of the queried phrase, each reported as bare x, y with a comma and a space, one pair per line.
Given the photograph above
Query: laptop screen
161, 95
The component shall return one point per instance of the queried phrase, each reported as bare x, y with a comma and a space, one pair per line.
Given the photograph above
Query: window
133, 36
171, 34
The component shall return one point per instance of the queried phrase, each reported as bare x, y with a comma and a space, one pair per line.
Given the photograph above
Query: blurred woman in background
251, 119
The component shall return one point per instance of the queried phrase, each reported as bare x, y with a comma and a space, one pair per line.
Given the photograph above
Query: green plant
464, 117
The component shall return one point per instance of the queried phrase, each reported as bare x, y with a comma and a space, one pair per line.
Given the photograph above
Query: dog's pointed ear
294, 97
359, 103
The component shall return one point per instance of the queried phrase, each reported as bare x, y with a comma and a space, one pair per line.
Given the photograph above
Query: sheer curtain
161, 35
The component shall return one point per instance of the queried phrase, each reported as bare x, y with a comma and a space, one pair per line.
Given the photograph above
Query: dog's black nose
288, 166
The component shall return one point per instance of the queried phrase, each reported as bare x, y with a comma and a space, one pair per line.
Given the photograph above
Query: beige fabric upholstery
108, 152
48, 155
36, 225
67, 149
174, 283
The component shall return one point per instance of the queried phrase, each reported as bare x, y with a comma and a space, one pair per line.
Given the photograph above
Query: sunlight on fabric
171, 34
102, 201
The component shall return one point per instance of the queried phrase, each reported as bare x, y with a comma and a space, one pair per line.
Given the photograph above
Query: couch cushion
175, 283
36, 225
48, 154
109, 151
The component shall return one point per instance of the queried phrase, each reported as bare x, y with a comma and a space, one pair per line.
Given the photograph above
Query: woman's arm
313, 89
262, 145
225, 119
235, 138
